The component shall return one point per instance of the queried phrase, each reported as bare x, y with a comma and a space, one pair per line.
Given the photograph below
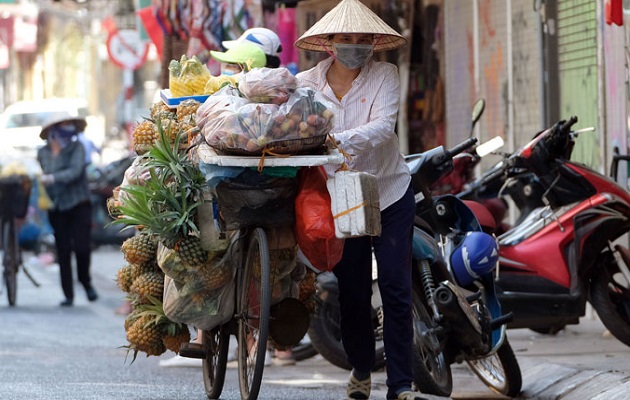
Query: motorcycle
102, 181
457, 315
578, 222
324, 331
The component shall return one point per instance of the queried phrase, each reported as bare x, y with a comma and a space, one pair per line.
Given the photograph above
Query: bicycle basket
267, 203
15, 192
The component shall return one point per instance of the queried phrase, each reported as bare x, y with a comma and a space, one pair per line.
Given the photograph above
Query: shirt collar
324, 65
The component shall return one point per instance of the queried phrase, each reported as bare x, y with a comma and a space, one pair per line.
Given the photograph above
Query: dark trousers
72, 233
354, 273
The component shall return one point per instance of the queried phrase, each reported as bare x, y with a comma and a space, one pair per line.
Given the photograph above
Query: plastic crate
15, 191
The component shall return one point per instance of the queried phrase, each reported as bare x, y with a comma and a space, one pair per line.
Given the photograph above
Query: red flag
613, 11
109, 25
151, 25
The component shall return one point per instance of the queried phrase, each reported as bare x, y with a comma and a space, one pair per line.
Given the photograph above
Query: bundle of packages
235, 125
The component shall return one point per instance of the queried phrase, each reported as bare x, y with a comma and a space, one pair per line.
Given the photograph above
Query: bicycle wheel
253, 315
10, 259
214, 365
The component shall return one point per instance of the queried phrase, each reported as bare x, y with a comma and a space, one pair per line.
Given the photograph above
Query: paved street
47, 352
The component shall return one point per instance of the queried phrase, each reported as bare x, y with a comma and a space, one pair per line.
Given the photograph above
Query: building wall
578, 74
491, 56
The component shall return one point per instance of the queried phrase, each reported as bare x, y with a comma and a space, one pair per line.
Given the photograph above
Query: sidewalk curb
558, 382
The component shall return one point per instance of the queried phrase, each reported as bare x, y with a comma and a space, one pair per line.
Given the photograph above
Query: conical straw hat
350, 16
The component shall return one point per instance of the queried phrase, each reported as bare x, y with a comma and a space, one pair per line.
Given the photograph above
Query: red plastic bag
314, 224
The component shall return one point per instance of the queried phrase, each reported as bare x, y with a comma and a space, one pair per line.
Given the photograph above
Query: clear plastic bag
267, 85
202, 297
191, 304
306, 114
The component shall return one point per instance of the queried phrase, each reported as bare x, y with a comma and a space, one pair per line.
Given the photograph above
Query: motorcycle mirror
489, 146
477, 110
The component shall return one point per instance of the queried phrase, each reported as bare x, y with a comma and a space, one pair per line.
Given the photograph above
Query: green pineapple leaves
167, 202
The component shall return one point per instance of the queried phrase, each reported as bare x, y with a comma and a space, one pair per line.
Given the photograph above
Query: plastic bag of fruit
192, 304
267, 85
306, 114
187, 77
217, 116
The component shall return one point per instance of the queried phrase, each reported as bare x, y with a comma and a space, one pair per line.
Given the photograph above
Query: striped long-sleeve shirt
364, 124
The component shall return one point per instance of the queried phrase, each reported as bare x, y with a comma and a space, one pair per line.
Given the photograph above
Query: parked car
21, 122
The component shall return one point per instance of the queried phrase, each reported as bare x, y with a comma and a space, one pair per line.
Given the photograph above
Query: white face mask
351, 55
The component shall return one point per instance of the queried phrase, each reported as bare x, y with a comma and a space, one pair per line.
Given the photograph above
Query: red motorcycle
571, 248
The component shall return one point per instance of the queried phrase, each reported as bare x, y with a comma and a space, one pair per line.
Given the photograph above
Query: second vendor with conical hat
365, 97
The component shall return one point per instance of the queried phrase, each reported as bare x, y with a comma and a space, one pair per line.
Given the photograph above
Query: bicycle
250, 323
252, 316
14, 197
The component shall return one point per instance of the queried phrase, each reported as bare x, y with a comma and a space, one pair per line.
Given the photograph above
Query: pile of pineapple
147, 327
163, 209
179, 123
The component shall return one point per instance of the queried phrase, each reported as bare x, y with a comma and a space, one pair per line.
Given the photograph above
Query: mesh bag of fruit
267, 85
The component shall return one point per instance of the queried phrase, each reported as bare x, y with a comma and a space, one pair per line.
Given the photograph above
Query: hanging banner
151, 28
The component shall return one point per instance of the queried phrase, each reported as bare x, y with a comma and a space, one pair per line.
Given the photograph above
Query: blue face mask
62, 136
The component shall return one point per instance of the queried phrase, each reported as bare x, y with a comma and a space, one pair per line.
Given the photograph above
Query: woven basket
309, 145
15, 192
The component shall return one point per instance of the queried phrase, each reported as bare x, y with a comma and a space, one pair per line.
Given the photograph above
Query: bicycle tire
10, 259
253, 315
214, 365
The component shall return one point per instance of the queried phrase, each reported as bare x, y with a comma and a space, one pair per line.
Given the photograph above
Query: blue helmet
476, 255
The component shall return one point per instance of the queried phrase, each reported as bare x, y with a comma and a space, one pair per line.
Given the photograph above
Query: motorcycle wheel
610, 296
325, 335
500, 372
431, 368
303, 350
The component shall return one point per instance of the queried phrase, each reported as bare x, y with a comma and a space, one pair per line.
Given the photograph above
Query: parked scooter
457, 316
324, 331
102, 181
578, 224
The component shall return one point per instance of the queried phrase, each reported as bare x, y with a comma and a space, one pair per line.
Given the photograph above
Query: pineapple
144, 135
159, 108
166, 205
146, 335
150, 331
124, 279
186, 111
148, 284
175, 335
139, 249
139, 269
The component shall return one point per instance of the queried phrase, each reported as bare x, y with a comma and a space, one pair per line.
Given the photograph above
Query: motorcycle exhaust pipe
467, 331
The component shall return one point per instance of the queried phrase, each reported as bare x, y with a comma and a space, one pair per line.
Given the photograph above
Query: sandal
359, 389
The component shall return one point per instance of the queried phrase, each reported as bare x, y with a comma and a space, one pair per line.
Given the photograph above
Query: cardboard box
355, 204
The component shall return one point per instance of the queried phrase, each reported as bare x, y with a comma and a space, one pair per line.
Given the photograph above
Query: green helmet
246, 54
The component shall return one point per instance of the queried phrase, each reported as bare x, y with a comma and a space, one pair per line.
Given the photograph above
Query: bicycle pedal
193, 350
